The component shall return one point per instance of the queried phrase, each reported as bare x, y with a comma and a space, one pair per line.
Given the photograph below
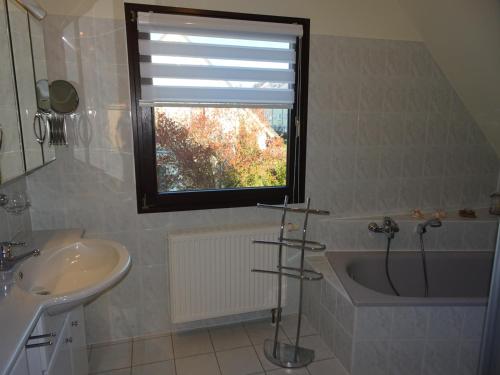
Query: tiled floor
228, 350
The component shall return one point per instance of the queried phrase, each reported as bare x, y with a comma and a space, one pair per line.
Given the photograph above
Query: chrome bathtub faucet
421, 230
7, 260
389, 227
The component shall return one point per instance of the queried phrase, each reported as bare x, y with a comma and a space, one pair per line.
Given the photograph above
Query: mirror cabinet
23, 143
11, 153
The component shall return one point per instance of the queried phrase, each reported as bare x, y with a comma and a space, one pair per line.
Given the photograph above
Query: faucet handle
390, 223
374, 227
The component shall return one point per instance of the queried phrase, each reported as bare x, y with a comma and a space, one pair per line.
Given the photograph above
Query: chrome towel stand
282, 354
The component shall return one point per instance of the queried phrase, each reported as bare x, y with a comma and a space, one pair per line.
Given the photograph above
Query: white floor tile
328, 367
158, 368
289, 325
110, 357
229, 337
241, 361
191, 343
155, 349
262, 330
263, 360
204, 364
316, 343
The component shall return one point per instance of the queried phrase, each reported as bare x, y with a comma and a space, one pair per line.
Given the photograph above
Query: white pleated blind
193, 61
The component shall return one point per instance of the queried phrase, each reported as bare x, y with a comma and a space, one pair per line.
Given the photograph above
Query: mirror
11, 154
63, 97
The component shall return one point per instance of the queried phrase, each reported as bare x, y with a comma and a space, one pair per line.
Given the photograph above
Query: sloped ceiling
463, 36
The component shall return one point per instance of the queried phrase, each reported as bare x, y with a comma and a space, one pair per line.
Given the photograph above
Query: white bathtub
372, 331
455, 277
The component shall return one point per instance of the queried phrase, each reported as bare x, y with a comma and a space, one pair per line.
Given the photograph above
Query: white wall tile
473, 322
445, 322
345, 313
347, 58
12, 224
398, 58
374, 57
370, 357
343, 346
440, 357
373, 323
405, 357
327, 327
468, 362
410, 322
345, 92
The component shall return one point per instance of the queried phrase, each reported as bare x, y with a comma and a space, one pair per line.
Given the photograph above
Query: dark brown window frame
148, 198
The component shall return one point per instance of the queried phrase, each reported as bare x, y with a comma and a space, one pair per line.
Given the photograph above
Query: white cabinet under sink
62, 349
60, 362
79, 357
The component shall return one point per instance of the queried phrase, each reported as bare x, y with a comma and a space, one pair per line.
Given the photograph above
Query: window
219, 107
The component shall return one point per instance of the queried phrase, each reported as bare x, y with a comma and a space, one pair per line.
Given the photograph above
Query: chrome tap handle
7, 260
391, 224
388, 227
374, 227
6, 249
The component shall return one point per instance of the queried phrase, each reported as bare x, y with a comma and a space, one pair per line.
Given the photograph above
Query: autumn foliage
216, 148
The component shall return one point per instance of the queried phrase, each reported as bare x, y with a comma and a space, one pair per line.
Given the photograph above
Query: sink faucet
388, 227
7, 260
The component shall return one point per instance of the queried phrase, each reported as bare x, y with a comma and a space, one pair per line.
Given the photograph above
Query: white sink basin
74, 274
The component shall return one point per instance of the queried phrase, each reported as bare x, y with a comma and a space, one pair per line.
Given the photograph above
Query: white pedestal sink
41, 300
74, 274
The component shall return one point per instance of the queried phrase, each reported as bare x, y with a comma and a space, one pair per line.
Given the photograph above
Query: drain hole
40, 291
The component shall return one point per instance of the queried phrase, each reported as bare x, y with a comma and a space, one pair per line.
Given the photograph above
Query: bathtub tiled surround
227, 350
395, 340
386, 133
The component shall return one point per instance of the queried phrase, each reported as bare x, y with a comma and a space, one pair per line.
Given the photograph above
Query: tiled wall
10, 224
91, 184
386, 133
396, 339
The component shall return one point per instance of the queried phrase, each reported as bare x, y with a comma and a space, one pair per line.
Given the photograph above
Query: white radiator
210, 273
